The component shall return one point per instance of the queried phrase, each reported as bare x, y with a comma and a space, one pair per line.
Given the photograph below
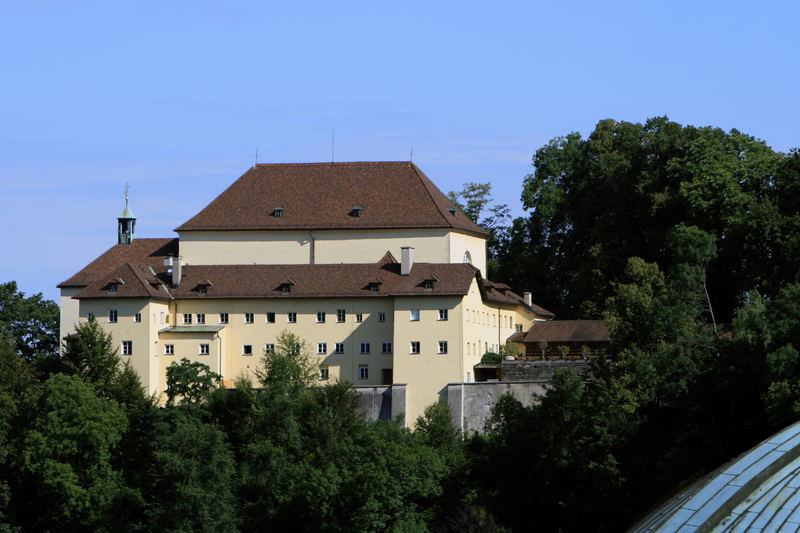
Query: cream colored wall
69, 311
427, 373
459, 243
430, 246
187, 345
244, 247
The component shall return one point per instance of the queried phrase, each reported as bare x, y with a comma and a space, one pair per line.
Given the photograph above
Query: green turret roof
127, 213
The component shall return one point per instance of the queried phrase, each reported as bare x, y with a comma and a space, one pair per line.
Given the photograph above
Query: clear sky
175, 97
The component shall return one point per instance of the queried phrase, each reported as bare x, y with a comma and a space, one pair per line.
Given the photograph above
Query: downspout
499, 345
311, 247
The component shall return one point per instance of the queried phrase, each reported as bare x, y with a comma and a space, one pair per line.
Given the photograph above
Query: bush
491, 358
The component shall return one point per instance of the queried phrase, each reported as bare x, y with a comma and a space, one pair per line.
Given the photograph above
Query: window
269, 348
322, 348
90, 317
127, 347
442, 314
414, 315
364, 347
286, 288
340, 314
112, 289
137, 317
203, 290
359, 317
467, 315
169, 349
428, 285
339, 348
201, 318
270, 318
223, 318
374, 287
187, 318
386, 347
323, 373
363, 371
414, 346
381, 317
320, 317
112, 315
291, 318
247, 349
519, 328
442, 346
204, 349
248, 318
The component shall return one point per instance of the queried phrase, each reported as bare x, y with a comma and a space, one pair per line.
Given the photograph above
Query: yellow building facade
369, 263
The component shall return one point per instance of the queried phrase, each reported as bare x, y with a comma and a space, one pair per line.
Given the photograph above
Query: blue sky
175, 97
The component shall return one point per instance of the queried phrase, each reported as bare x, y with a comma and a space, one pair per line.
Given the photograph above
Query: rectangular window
442, 314
339, 347
203, 290
248, 318
137, 317
223, 318
340, 314
320, 317
414, 346
201, 318
112, 289
359, 317
269, 348
386, 347
414, 315
442, 346
322, 348
381, 317
204, 349
127, 347
112, 315
270, 318
162, 317
364, 347
467, 315
291, 318
363, 371
323, 373
90, 317
247, 349
169, 349
187, 318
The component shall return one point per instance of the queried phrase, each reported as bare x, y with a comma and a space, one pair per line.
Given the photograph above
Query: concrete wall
471, 403
383, 402
540, 370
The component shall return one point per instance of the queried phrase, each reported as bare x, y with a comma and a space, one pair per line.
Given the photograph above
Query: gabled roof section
502, 293
138, 281
567, 331
140, 252
392, 195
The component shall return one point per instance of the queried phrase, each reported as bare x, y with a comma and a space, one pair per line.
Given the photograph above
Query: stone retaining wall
471, 403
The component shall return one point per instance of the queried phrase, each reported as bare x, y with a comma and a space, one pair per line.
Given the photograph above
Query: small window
363, 371
340, 315
291, 318
428, 284
414, 346
381, 317
247, 349
112, 289
162, 317
90, 317
278, 212
414, 315
442, 314
127, 347
320, 317
286, 288
386, 347
269, 348
467, 315
364, 347
187, 318
248, 318
375, 287
270, 318
359, 317
203, 290
201, 318
137, 317
169, 349
339, 347
322, 348
112, 315
223, 318
204, 349
519, 328
442, 346
323, 373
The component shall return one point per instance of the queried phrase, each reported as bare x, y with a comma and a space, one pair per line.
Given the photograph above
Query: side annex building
369, 263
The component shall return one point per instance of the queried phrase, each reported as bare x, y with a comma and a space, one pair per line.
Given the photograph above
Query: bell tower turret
126, 223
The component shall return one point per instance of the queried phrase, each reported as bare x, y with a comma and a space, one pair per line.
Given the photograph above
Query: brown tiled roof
323, 196
139, 252
132, 281
502, 293
567, 331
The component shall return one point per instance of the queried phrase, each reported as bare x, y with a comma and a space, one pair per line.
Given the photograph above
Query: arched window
467, 257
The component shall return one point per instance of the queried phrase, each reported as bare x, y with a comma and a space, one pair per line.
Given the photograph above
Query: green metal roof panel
191, 329
127, 213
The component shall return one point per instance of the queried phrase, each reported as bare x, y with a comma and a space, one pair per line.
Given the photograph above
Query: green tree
191, 382
289, 365
30, 323
89, 353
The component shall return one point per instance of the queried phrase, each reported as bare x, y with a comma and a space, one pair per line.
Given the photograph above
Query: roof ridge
424, 183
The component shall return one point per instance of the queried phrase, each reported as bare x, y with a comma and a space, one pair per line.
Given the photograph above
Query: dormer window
203, 290
112, 288
452, 210
374, 287
278, 212
356, 212
286, 288
428, 284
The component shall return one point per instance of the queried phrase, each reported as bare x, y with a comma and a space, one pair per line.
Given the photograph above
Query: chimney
528, 298
176, 272
406, 260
